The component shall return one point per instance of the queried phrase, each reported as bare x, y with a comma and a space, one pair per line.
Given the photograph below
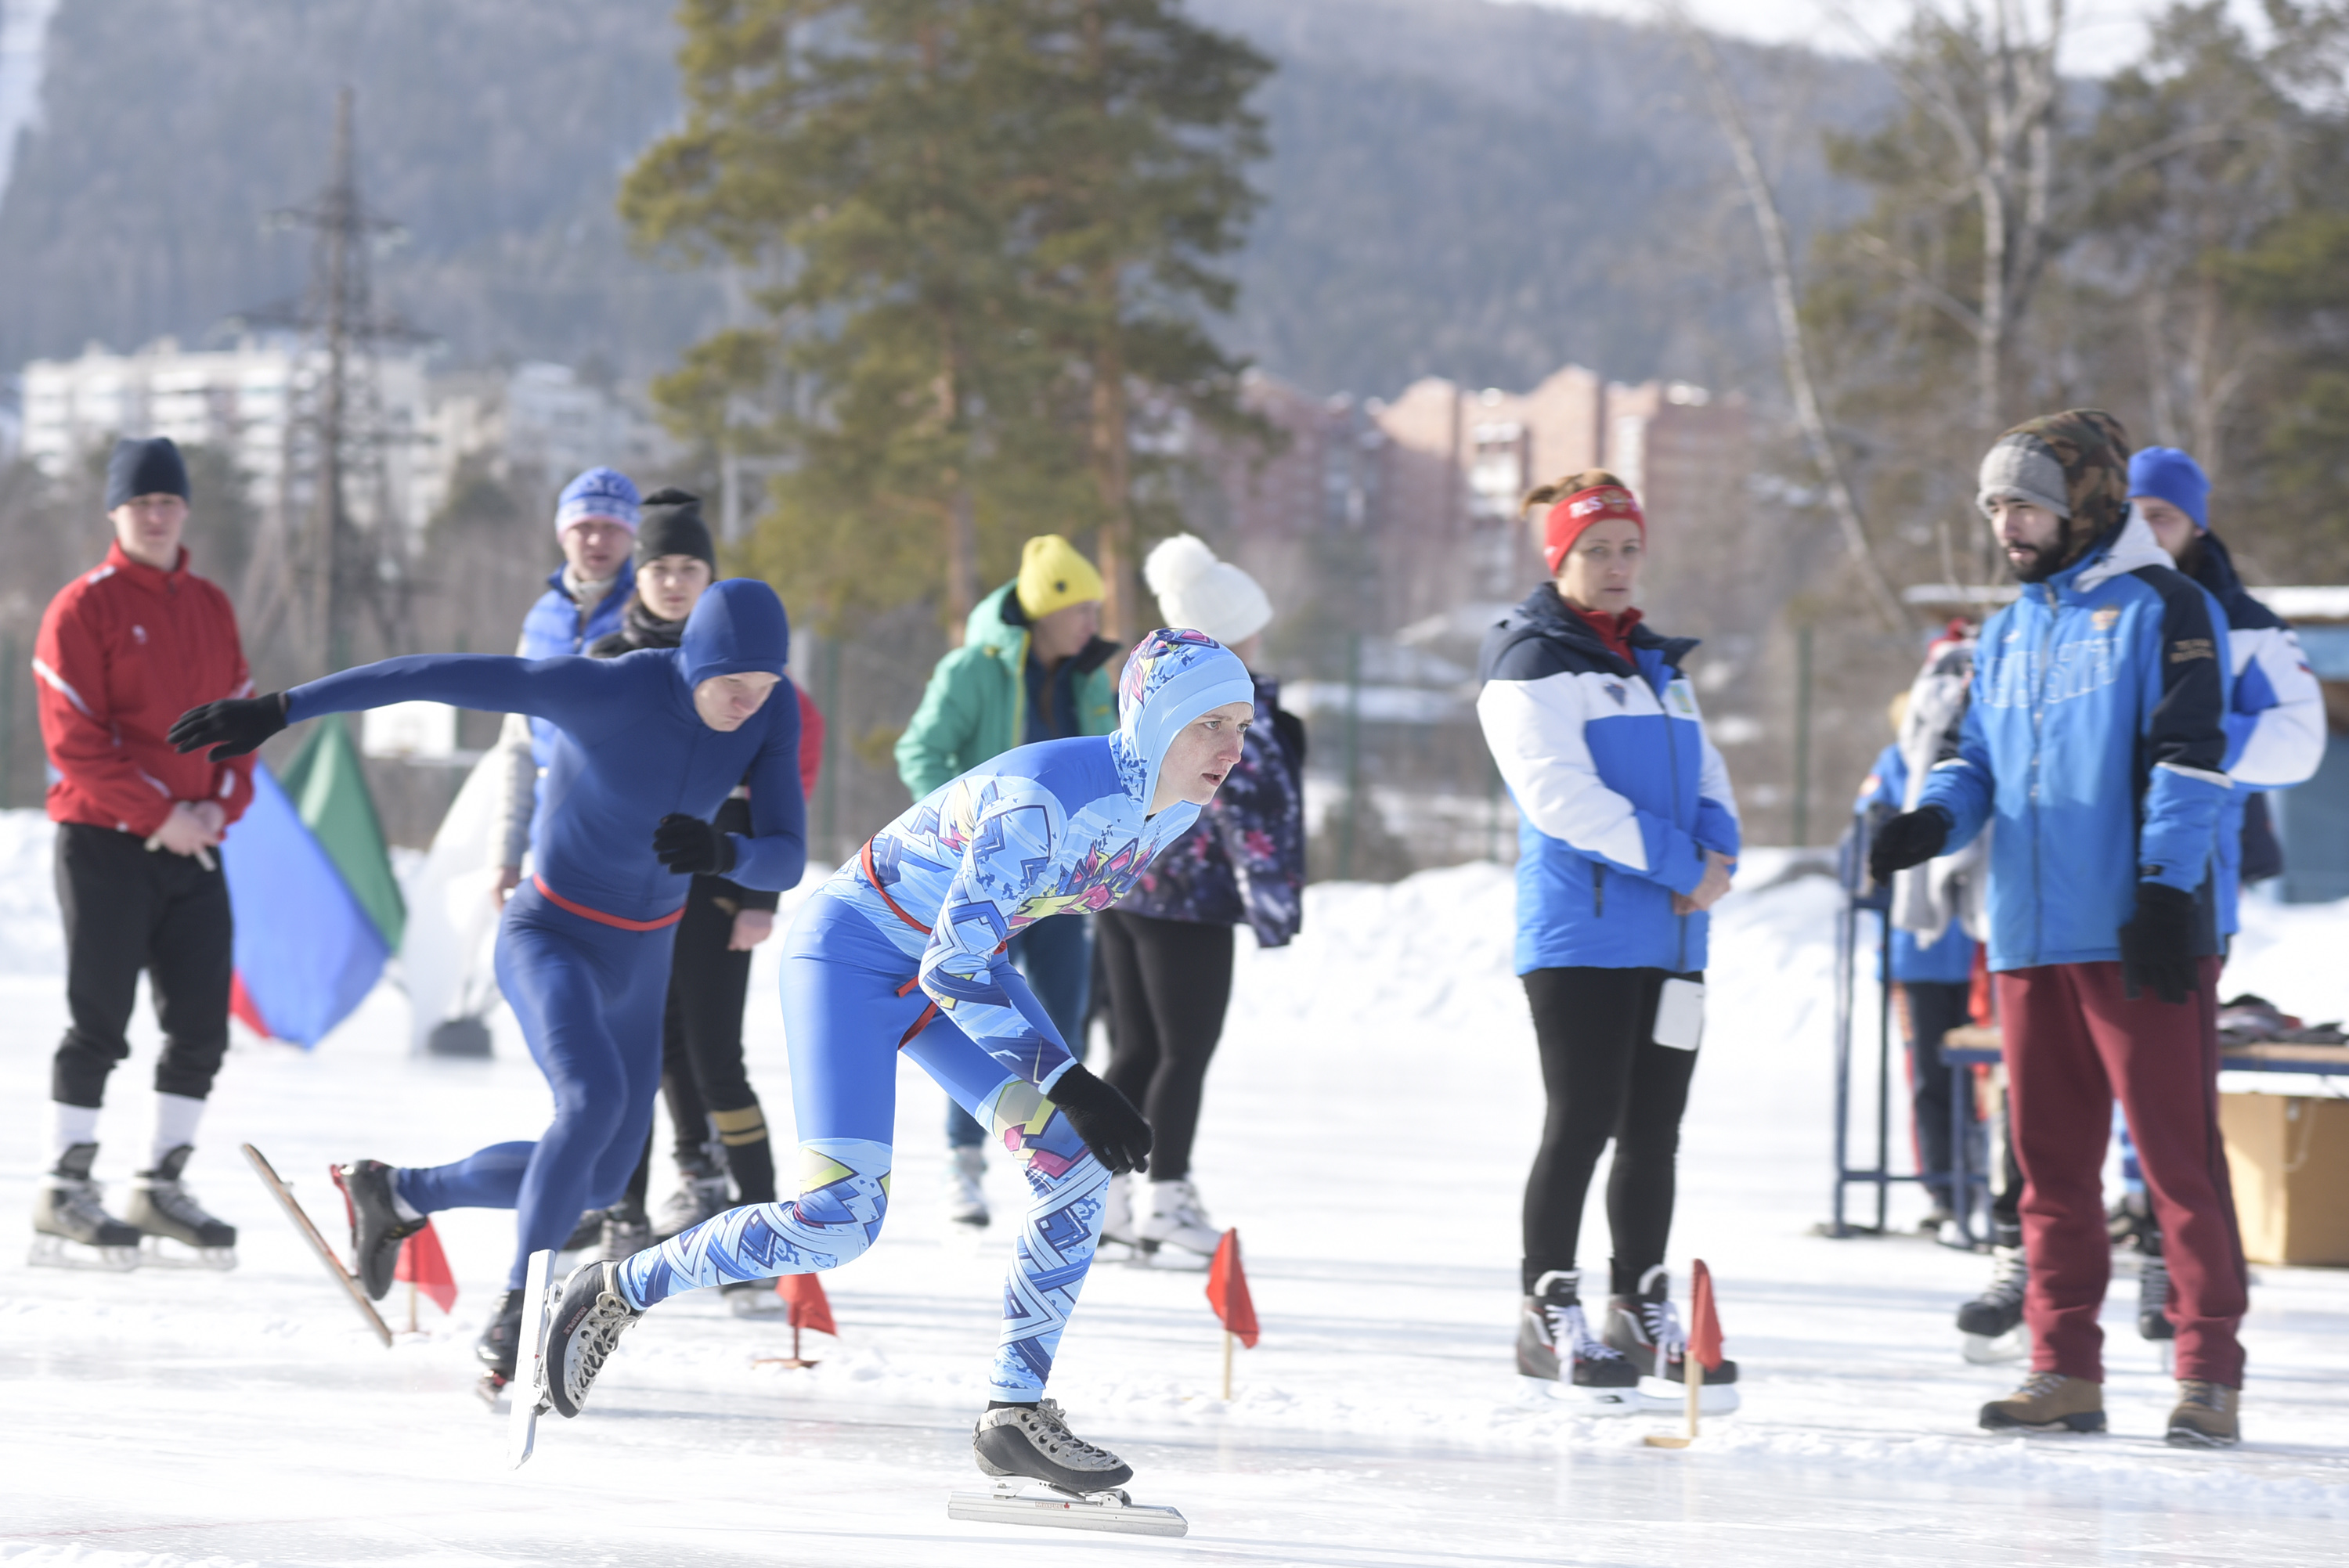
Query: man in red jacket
123, 650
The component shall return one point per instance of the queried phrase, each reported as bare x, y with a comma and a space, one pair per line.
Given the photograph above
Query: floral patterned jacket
1244, 859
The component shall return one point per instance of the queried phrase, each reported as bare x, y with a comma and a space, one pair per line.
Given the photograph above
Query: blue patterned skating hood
1170, 677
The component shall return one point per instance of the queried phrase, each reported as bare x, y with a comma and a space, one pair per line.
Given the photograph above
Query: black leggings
1607, 1077
1930, 1009
702, 1075
1169, 982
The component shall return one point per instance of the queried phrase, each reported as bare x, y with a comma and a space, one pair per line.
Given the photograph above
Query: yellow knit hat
1053, 576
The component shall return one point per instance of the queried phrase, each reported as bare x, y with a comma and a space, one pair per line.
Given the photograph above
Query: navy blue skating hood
738, 628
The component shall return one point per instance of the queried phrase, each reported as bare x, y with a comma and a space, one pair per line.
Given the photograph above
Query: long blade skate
530, 1399
49, 1252
171, 1252
348, 1281
1046, 1504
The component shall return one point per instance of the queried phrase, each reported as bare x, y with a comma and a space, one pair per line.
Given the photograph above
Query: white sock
176, 1116
71, 1124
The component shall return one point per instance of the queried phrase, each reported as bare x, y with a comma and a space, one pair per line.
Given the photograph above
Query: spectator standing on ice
594, 524
2096, 742
122, 651
2275, 739
722, 1140
1166, 947
1934, 971
1032, 666
1628, 834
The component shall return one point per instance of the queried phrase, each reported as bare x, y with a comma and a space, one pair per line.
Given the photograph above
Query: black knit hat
670, 524
152, 466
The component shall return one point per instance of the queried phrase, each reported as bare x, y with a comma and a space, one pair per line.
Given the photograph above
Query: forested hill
1468, 189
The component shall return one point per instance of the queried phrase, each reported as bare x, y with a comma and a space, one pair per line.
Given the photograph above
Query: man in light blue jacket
2095, 739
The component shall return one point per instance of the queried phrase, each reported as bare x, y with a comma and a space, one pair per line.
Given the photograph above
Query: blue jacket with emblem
1618, 791
2096, 738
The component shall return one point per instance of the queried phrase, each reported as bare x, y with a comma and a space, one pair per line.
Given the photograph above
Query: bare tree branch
1793, 344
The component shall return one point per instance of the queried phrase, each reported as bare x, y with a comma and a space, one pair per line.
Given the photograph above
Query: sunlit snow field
1368, 1125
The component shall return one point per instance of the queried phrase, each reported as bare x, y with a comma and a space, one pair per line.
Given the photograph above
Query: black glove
690, 845
232, 726
1104, 1119
2157, 947
1909, 840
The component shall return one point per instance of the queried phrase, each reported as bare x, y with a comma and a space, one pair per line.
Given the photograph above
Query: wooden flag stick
1227, 1364
1695, 1375
412, 1329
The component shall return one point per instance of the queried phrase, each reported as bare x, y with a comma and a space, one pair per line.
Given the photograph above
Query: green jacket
976, 706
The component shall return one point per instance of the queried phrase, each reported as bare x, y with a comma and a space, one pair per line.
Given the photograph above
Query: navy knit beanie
152, 466
672, 525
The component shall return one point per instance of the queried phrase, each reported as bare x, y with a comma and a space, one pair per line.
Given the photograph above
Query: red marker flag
804, 1294
1227, 1291
423, 1264
1704, 1321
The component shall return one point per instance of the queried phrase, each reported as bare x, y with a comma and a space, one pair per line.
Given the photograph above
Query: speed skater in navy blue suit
651, 744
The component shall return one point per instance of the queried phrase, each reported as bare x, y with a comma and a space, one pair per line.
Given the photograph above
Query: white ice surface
1369, 1122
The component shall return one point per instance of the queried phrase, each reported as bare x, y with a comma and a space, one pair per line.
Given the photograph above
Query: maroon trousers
2073, 1042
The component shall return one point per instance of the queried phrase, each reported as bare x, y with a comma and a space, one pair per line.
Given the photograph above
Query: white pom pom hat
1197, 589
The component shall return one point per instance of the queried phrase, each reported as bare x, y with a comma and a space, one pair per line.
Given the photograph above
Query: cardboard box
2289, 1158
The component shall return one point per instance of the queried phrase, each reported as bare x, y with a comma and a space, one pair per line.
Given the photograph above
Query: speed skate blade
1056, 1509
529, 1366
1989, 1349
319, 1247
60, 1253
167, 1252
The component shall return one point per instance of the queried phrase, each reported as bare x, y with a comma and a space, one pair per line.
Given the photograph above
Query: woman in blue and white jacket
1628, 834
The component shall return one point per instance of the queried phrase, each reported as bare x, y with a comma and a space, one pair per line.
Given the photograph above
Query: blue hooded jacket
1619, 792
1057, 827
2095, 737
631, 747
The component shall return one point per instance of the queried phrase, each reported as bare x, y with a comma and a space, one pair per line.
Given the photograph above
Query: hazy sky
2104, 34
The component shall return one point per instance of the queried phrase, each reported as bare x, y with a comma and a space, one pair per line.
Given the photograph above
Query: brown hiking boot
2048, 1402
2205, 1415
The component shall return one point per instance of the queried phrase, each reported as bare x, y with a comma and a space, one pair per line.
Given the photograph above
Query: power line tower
333, 567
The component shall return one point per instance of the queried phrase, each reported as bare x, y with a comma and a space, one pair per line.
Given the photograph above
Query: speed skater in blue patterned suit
651, 746
903, 950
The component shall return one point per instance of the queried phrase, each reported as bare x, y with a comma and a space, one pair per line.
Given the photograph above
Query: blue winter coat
1949, 960
2275, 720
1618, 791
553, 629
2095, 736
1244, 859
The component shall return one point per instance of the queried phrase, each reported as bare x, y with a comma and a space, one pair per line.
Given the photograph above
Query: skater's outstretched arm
576, 694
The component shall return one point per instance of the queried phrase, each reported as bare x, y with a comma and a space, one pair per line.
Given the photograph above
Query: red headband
1578, 511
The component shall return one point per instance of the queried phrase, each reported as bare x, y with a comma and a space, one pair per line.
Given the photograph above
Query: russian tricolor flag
317, 908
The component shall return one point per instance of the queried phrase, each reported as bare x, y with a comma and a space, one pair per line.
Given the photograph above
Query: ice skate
71, 1229
528, 1368
585, 1327
1082, 1483
2048, 1402
965, 1197
377, 1227
1992, 1322
703, 1194
497, 1346
624, 1233
2205, 1417
1559, 1358
2153, 1291
1117, 1220
1646, 1331
316, 1243
179, 1232
1177, 1233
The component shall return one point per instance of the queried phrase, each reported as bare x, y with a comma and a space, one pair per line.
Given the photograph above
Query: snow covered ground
1368, 1126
